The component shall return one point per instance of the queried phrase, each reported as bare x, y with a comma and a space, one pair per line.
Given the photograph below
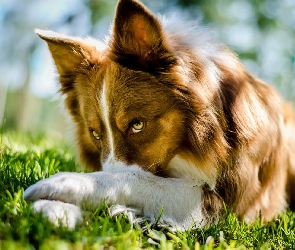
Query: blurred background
262, 32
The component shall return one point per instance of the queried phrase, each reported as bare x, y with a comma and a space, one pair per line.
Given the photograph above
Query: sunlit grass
27, 158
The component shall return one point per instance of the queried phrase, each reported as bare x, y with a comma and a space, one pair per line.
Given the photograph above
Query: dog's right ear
138, 38
71, 55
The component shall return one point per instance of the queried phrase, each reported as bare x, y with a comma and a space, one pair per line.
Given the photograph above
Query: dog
174, 121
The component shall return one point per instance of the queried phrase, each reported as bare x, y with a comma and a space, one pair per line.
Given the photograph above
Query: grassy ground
25, 159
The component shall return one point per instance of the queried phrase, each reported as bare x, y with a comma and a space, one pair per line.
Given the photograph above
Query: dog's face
128, 117
124, 97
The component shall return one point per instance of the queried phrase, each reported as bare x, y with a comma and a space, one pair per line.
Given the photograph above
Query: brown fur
208, 109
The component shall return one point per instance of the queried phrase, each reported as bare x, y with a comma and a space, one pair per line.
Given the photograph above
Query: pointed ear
138, 39
71, 55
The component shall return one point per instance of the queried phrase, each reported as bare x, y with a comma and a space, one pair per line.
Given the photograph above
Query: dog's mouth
159, 167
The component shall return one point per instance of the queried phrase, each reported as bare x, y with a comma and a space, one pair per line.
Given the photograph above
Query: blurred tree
16, 55
99, 10
18, 19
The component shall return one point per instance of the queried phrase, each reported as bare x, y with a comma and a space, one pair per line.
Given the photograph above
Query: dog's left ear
138, 39
72, 55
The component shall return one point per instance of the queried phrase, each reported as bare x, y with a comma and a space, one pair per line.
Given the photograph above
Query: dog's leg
130, 187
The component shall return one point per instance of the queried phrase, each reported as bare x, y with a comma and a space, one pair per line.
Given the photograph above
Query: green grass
25, 159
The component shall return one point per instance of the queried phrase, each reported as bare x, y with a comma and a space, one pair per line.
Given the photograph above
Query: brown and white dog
173, 120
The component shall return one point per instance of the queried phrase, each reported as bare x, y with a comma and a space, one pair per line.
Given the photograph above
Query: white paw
66, 187
59, 212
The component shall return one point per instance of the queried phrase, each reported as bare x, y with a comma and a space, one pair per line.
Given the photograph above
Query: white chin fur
180, 167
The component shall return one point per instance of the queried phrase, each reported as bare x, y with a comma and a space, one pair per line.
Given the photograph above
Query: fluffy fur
174, 120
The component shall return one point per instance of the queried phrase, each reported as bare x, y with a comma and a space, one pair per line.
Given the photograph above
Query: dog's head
132, 100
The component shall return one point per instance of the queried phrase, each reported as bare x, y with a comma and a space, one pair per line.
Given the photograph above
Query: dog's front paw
66, 187
59, 212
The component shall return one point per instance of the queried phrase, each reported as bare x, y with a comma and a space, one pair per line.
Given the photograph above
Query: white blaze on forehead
106, 120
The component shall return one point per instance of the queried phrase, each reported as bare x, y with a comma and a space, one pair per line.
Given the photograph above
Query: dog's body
174, 120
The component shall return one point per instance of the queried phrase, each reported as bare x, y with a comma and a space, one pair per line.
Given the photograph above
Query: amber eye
137, 126
95, 135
